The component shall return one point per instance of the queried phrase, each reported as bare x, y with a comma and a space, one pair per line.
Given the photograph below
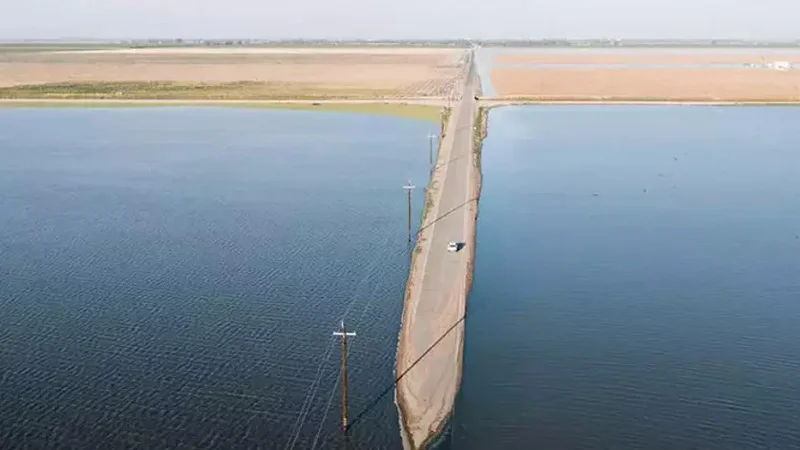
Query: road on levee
432, 334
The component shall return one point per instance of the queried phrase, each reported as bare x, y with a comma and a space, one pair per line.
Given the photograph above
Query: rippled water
637, 281
170, 278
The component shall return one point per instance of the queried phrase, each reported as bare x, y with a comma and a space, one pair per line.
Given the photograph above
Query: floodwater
637, 281
171, 278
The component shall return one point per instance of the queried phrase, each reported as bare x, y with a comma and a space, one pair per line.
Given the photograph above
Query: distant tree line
459, 43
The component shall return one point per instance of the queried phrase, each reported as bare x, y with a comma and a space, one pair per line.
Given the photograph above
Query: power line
338, 377
325, 416
467, 68
306, 407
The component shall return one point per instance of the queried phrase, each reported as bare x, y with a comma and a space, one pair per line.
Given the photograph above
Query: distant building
780, 65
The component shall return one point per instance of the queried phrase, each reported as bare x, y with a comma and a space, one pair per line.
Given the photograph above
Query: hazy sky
399, 18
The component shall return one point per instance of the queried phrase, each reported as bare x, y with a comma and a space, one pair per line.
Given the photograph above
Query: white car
452, 247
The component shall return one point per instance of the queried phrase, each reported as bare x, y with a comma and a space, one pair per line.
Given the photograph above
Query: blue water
637, 281
171, 278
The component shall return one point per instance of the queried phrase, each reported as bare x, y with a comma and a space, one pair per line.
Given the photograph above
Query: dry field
239, 73
590, 57
514, 80
654, 85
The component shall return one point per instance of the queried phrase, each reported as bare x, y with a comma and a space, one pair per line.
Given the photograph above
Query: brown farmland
594, 57
267, 73
648, 85
671, 80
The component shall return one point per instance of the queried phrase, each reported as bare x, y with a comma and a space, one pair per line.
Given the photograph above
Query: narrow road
432, 335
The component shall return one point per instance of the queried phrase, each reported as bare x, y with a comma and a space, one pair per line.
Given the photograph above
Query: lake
171, 277
637, 281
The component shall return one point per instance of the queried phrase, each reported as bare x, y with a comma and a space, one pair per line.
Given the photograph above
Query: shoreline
499, 102
102, 102
487, 102
426, 110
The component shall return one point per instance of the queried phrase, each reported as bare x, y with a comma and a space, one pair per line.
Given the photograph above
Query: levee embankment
431, 339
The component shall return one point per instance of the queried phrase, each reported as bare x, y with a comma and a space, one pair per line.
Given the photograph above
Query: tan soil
402, 72
688, 85
365, 49
581, 57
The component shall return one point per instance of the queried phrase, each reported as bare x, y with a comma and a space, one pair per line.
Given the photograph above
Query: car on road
453, 247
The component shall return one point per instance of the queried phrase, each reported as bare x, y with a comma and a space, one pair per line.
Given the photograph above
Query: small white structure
780, 65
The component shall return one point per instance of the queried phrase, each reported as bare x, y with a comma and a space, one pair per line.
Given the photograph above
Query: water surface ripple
170, 278
636, 281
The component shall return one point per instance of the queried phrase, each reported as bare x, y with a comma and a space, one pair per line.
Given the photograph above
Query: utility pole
344, 334
450, 95
409, 187
431, 137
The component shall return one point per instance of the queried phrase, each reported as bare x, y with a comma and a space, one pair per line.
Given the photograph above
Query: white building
780, 65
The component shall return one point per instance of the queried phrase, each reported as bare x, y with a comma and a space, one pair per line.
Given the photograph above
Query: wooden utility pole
409, 187
344, 334
431, 138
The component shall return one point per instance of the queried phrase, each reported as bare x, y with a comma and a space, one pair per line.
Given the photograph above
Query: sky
397, 19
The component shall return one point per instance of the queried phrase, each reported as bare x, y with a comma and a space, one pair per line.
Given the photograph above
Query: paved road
433, 326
